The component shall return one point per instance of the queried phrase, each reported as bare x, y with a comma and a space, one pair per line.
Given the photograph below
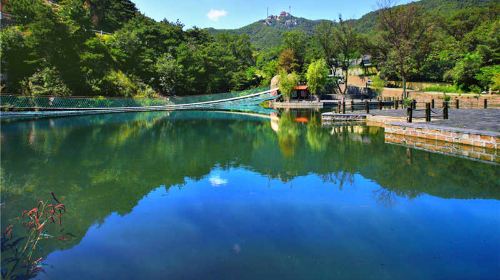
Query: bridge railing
64, 103
214, 97
249, 97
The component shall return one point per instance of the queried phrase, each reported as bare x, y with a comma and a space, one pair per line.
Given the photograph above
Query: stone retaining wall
465, 100
485, 139
297, 105
436, 146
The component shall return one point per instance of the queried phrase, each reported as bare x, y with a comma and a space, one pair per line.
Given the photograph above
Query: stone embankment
473, 134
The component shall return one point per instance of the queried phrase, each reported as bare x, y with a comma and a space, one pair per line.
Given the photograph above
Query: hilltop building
284, 18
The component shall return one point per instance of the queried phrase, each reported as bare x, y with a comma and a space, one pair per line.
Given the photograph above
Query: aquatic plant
19, 260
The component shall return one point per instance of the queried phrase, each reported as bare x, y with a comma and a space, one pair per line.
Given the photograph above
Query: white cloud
214, 14
217, 181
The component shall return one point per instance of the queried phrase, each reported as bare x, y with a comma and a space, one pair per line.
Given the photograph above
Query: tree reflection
107, 163
288, 134
317, 136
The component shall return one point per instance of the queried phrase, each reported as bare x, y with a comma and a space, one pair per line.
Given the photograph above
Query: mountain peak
284, 19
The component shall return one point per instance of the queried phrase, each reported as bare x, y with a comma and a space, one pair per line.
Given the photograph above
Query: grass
443, 88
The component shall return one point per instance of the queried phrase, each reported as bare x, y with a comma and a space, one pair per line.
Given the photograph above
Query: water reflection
107, 169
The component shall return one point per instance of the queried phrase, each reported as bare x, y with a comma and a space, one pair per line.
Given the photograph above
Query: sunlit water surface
194, 195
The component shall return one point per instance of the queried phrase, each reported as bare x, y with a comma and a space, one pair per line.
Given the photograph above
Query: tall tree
297, 41
325, 36
403, 28
287, 61
346, 48
110, 15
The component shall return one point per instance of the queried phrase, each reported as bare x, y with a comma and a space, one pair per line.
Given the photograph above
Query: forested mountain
268, 33
265, 36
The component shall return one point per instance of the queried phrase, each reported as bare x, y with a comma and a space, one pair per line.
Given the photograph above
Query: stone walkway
476, 119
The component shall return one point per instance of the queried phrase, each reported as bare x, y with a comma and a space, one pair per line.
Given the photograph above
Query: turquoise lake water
208, 195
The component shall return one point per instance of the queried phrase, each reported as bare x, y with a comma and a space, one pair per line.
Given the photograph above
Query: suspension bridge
245, 101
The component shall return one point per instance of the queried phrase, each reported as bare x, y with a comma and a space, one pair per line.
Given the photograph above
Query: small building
301, 92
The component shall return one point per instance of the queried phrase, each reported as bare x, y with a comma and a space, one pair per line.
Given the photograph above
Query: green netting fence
44, 102
75, 103
215, 97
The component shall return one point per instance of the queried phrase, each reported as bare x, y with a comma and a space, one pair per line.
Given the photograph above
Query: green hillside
264, 36
267, 34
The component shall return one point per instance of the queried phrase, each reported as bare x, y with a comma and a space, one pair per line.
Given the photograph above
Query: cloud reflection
217, 181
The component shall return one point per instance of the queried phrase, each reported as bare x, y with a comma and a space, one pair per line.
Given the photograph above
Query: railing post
427, 112
485, 103
380, 104
343, 107
414, 104
457, 103
409, 112
396, 103
367, 107
445, 110
432, 103
352, 105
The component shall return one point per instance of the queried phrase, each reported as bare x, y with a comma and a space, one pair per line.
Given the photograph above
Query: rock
275, 82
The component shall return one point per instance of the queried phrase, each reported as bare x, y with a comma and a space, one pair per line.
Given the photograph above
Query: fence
19, 102
414, 110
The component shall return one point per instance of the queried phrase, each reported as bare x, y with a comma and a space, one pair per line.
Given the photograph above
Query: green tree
95, 63
346, 48
402, 29
110, 15
169, 73
325, 36
317, 75
465, 71
287, 61
287, 83
296, 41
45, 82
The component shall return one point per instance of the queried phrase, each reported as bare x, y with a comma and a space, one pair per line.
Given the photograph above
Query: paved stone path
477, 119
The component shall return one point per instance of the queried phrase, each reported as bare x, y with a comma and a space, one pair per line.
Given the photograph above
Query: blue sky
238, 13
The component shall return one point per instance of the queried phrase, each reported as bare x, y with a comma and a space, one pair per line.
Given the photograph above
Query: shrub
444, 88
407, 102
145, 90
45, 82
119, 84
378, 84
489, 77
